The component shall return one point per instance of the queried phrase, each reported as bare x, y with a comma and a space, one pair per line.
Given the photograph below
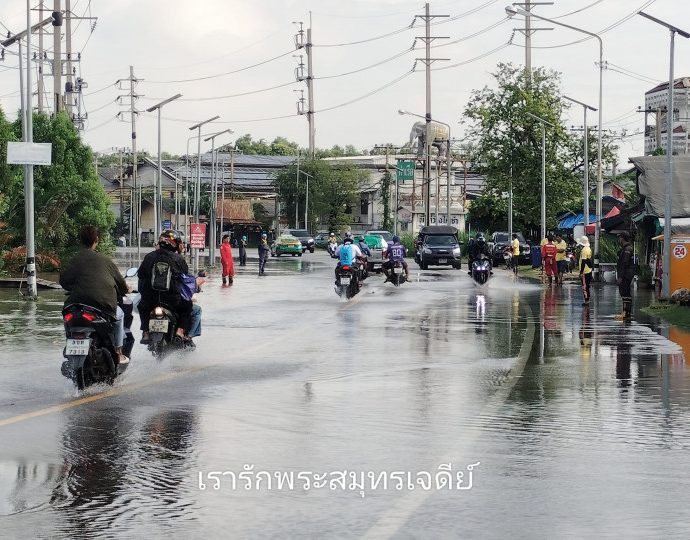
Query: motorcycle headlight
426, 250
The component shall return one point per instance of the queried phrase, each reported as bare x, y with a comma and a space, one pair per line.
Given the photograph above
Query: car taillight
68, 317
88, 316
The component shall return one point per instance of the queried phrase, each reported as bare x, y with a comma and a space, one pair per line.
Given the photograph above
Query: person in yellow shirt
585, 266
515, 246
561, 259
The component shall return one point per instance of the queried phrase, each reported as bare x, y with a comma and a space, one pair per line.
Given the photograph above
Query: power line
101, 125
250, 92
224, 74
650, 79
111, 85
465, 62
190, 121
377, 90
390, 59
580, 10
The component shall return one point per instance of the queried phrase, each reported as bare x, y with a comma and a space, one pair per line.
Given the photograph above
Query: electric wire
644, 80
650, 79
101, 125
111, 85
250, 92
368, 94
204, 78
470, 60
580, 10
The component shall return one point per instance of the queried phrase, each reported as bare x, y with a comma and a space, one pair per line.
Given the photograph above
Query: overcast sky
173, 40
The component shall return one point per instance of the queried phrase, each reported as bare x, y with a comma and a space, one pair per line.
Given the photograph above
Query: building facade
656, 106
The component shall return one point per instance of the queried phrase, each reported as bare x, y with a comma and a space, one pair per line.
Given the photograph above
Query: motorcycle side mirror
131, 272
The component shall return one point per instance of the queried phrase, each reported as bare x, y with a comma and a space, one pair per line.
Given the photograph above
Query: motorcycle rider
364, 248
476, 249
94, 280
332, 244
347, 253
396, 254
167, 252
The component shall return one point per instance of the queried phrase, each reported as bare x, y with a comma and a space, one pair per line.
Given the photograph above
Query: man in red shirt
548, 255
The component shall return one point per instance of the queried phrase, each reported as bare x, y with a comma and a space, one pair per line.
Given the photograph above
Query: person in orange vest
226, 261
548, 255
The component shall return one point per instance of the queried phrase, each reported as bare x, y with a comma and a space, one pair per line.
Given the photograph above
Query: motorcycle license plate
158, 325
442, 261
346, 280
77, 347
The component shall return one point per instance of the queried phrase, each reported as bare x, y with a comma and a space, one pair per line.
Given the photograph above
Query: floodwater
300, 414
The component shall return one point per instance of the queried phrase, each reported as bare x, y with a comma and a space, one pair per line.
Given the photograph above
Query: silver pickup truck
377, 246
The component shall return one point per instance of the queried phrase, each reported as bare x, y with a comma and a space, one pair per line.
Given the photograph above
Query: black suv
438, 245
500, 241
304, 237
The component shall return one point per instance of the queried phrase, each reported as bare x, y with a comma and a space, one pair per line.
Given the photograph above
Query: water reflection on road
580, 431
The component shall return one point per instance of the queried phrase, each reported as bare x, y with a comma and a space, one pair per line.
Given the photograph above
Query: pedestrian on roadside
548, 255
264, 252
625, 272
585, 265
515, 248
561, 258
243, 251
226, 261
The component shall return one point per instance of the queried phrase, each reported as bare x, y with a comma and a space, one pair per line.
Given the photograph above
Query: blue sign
166, 224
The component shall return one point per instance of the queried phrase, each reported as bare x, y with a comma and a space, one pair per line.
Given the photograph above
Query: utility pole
527, 31
300, 43
427, 39
69, 84
40, 58
32, 289
136, 215
57, 57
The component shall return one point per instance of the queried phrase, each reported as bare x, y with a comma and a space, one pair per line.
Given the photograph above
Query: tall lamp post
212, 240
158, 197
543, 169
585, 107
668, 206
306, 202
513, 10
403, 112
197, 190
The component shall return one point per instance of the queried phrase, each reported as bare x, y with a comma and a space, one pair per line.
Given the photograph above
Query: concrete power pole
427, 39
527, 31
310, 92
40, 59
57, 58
69, 84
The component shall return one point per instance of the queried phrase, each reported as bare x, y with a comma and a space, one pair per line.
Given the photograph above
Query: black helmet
169, 240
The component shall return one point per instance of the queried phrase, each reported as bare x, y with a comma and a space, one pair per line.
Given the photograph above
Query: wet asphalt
565, 422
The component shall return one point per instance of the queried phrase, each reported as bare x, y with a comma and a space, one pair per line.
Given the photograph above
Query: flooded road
301, 414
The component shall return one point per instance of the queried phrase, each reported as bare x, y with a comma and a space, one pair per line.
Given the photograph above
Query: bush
407, 240
608, 249
645, 274
15, 259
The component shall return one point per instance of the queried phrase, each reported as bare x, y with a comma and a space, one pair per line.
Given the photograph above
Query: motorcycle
332, 246
399, 277
90, 343
349, 284
481, 270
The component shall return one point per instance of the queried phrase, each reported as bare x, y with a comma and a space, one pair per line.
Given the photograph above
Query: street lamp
158, 196
214, 197
543, 169
404, 112
668, 206
513, 10
306, 202
586, 158
198, 182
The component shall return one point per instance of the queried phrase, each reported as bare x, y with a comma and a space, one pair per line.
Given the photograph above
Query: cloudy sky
186, 47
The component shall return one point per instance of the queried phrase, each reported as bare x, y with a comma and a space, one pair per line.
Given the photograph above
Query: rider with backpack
347, 254
159, 275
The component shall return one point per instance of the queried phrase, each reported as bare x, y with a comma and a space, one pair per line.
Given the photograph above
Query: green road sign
405, 170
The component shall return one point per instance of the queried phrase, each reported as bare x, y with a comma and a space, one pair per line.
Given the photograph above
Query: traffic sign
198, 235
405, 170
166, 224
26, 153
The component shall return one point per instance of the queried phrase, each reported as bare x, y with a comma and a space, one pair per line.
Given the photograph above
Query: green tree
333, 189
506, 139
67, 194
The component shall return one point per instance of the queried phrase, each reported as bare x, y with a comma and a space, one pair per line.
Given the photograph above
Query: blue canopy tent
569, 222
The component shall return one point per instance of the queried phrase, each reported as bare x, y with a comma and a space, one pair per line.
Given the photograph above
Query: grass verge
676, 315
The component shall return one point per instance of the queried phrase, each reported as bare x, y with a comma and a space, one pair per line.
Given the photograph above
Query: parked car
321, 240
286, 244
377, 245
304, 237
500, 241
438, 245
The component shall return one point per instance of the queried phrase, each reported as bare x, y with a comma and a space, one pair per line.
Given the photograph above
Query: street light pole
306, 204
158, 197
514, 10
543, 169
585, 107
198, 182
668, 201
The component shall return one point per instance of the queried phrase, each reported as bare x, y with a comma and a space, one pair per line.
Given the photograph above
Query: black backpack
161, 276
